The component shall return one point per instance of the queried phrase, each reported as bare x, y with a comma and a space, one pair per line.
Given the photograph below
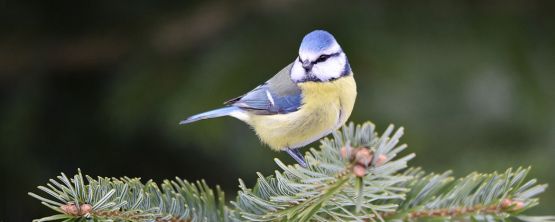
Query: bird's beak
307, 65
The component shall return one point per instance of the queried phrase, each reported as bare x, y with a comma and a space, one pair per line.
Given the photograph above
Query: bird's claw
296, 154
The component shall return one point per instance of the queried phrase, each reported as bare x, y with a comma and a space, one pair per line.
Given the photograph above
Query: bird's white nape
297, 71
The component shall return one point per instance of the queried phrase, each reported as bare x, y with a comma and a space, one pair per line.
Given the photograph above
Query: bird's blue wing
278, 95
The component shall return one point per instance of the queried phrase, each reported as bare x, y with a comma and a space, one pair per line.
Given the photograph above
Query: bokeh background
101, 85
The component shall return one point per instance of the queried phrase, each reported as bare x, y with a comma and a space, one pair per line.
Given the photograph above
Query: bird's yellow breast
326, 107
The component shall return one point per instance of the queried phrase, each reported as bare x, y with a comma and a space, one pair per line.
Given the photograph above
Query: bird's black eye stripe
322, 58
325, 57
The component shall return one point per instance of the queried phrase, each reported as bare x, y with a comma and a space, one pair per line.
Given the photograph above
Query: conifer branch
127, 199
327, 189
356, 176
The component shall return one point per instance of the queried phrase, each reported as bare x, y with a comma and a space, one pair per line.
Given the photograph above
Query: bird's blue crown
317, 41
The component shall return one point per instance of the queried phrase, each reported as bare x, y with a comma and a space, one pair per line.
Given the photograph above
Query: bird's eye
322, 58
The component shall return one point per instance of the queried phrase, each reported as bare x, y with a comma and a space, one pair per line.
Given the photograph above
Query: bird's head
320, 59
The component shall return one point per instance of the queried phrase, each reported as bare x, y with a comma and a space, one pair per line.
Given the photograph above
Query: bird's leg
297, 156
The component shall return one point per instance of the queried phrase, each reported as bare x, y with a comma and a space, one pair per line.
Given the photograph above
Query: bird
305, 101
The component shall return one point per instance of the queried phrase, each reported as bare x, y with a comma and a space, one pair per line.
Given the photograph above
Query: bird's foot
296, 154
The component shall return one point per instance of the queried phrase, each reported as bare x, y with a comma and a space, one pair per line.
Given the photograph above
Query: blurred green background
101, 85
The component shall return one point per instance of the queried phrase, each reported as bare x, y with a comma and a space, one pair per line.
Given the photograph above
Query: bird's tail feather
225, 111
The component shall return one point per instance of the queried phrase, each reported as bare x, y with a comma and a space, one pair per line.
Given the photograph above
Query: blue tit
305, 101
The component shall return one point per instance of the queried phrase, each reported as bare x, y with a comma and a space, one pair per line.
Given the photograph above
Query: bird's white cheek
297, 72
331, 68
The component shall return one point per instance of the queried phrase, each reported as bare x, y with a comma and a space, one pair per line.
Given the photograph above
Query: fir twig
356, 176
127, 199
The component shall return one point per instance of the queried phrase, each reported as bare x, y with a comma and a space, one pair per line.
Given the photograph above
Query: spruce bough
356, 176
